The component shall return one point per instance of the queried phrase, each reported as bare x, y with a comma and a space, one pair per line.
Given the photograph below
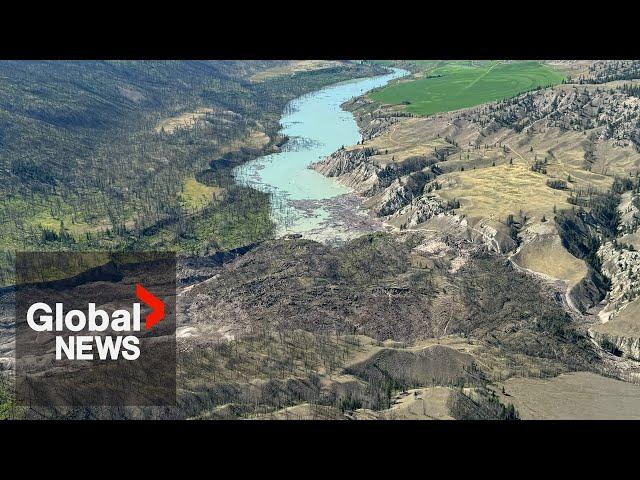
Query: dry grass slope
546, 255
572, 396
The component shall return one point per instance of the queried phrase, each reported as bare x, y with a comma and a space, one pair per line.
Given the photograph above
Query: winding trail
570, 303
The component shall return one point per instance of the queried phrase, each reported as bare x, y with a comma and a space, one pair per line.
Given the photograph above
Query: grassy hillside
445, 86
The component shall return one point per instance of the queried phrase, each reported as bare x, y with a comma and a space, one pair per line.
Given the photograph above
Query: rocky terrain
296, 322
619, 331
563, 165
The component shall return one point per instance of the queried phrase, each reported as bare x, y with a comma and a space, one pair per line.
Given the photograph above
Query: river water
304, 201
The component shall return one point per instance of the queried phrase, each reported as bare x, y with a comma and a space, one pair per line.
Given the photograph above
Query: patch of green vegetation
447, 86
195, 195
8, 408
240, 218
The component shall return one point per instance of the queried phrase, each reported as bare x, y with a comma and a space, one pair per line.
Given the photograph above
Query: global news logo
41, 317
95, 329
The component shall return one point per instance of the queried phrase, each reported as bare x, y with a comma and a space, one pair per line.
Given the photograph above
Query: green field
449, 86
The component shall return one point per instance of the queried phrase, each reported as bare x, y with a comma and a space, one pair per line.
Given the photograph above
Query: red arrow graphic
157, 306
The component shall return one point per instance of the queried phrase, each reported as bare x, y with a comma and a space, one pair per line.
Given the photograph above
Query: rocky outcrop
622, 267
393, 199
351, 168
620, 331
377, 126
619, 345
422, 209
493, 235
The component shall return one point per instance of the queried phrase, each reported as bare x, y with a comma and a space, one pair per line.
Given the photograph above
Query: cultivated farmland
457, 85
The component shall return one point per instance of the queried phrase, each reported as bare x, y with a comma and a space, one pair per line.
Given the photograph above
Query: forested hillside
111, 154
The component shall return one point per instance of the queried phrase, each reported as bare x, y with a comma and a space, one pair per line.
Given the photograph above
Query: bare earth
294, 66
184, 120
572, 396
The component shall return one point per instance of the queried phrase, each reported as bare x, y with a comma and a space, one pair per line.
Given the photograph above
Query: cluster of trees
632, 90
484, 405
539, 166
611, 70
62, 235
557, 184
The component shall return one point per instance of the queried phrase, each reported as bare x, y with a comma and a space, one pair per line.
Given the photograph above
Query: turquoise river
304, 201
